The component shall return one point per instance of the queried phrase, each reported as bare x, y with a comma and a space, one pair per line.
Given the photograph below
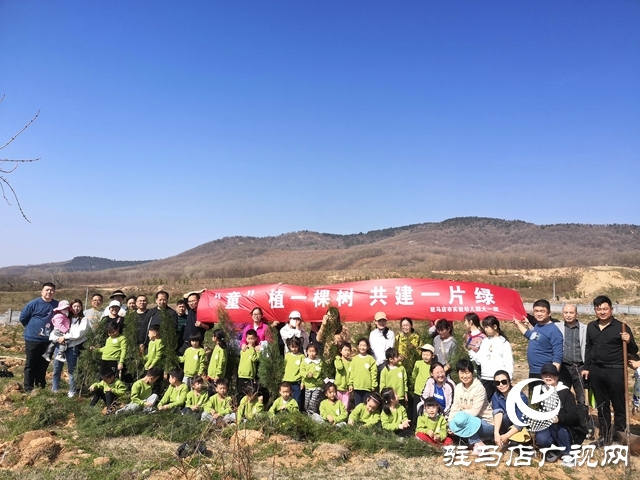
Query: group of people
370, 385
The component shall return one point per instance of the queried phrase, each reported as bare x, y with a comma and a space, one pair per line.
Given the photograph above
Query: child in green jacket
248, 366
197, 398
107, 389
310, 370
193, 359
155, 348
251, 404
432, 425
368, 413
394, 416
342, 363
176, 394
114, 350
218, 363
394, 375
292, 362
364, 372
331, 409
285, 402
219, 408
142, 395
421, 374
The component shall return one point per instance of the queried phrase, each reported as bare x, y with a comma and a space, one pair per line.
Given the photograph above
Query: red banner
418, 299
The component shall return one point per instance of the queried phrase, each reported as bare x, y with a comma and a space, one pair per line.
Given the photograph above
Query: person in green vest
197, 398
142, 396
194, 359
155, 349
394, 375
176, 395
107, 389
368, 413
285, 402
394, 416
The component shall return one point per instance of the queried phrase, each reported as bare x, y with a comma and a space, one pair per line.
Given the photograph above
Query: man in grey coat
575, 339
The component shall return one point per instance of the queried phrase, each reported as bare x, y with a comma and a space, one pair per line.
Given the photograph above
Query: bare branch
15, 160
15, 195
23, 129
7, 170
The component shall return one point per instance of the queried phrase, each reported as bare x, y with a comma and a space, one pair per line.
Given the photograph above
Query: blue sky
165, 125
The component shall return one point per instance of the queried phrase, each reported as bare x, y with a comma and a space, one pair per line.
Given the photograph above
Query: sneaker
61, 358
71, 394
477, 449
568, 461
552, 457
47, 357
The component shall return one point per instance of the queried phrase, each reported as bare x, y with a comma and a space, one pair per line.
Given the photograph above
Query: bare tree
12, 164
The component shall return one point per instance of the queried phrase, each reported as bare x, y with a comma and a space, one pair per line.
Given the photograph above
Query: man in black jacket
604, 367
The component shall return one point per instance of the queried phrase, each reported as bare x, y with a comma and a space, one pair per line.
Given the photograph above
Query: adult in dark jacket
36, 317
559, 432
192, 326
603, 366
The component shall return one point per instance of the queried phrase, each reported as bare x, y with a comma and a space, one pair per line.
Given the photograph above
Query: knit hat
62, 305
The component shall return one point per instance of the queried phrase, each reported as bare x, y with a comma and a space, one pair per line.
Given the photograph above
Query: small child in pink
61, 324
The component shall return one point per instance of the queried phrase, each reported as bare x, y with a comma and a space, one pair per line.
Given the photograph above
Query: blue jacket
546, 344
499, 405
36, 317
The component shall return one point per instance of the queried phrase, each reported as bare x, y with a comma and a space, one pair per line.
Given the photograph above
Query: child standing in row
142, 395
420, 375
155, 348
310, 370
176, 394
248, 366
343, 372
432, 425
364, 372
292, 362
193, 359
218, 363
394, 375
114, 350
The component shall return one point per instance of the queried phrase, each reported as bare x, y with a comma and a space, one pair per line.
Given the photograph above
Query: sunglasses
497, 383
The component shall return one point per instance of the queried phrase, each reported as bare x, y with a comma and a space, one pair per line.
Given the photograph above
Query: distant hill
455, 244
76, 264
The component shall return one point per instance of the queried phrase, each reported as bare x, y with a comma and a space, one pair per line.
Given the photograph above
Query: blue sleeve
495, 405
527, 334
25, 314
557, 344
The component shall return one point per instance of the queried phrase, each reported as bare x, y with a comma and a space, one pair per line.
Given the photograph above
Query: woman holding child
74, 338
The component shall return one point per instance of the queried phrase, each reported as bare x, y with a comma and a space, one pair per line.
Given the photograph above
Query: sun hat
117, 293
61, 306
464, 425
428, 347
380, 316
295, 314
114, 303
